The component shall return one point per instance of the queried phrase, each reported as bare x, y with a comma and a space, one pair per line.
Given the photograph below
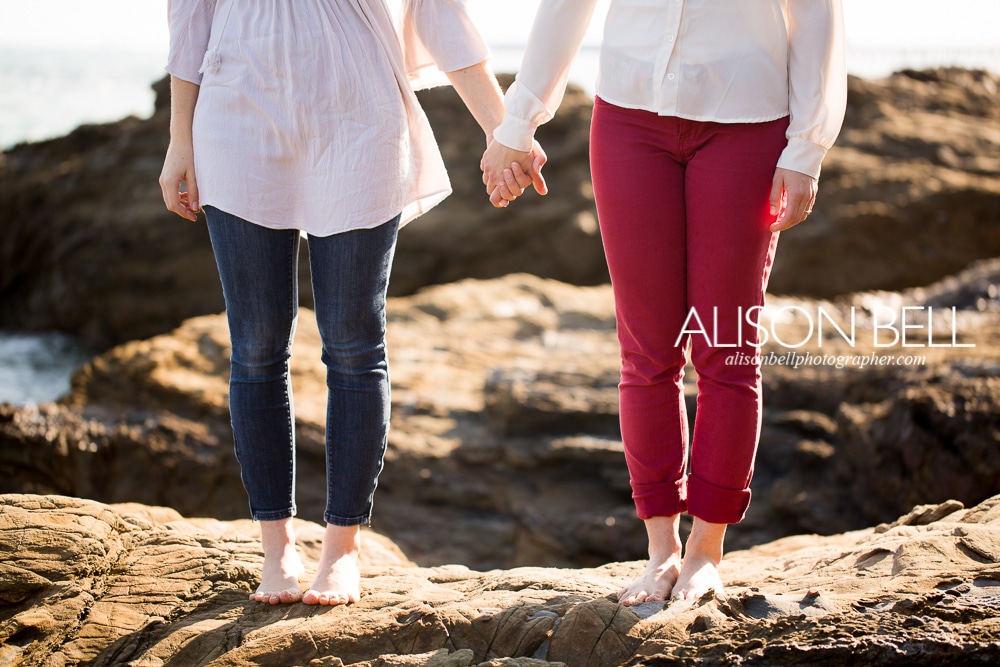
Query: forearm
481, 93
183, 97
556, 35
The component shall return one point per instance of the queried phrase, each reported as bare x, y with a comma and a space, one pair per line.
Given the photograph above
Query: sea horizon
50, 91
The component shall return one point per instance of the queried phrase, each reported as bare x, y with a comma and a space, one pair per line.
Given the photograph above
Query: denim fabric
350, 274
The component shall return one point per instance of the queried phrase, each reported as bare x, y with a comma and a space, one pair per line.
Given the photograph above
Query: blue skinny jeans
350, 275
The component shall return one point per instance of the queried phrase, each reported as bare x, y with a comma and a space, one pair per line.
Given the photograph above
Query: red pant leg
730, 250
639, 189
683, 211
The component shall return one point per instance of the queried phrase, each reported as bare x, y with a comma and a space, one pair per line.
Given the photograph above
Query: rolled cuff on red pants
715, 504
662, 499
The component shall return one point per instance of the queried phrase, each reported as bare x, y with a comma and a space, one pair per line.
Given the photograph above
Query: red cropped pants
683, 208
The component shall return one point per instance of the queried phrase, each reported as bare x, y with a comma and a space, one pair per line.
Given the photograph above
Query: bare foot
700, 570
279, 581
664, 565
338, 580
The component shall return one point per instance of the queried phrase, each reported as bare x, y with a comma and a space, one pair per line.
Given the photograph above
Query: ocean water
36, 367
49, 92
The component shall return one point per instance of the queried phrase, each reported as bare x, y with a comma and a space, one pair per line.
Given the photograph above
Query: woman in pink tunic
299, 118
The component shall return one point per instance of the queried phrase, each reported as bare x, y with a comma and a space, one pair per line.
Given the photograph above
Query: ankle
342, 540
277, 537
706, 541
664, 537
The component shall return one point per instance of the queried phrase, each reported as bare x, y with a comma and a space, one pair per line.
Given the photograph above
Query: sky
140, 25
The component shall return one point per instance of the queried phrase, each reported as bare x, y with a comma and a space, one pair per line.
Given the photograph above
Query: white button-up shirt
306, 117
727, 61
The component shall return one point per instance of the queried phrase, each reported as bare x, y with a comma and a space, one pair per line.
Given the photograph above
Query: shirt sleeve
538, 90
817, 83
190, 23
439, 36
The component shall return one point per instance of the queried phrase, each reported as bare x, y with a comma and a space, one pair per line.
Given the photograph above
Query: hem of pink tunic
407, 212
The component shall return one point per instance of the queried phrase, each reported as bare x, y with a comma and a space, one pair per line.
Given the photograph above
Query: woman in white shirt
710, 124
300, 117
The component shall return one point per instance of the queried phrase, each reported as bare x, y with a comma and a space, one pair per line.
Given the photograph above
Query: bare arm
478, 88
177, 179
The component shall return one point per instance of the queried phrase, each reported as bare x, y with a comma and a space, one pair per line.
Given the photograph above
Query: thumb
536, 175
192, 189
777, 186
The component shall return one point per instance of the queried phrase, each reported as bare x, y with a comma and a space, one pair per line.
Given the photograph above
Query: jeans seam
293, 270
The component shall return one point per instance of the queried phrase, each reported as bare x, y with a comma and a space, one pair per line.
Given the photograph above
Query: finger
497, 200
523, 179
536, 175
511, 182
795, 212
493, 179
185, 207
537, 179
801, 204
194, 203
777, 186
165, 192
505, 192
175, 200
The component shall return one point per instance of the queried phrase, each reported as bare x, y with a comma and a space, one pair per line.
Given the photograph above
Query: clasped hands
507, 173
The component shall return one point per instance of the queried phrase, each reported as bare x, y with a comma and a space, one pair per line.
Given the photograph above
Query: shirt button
671, 77
671, 38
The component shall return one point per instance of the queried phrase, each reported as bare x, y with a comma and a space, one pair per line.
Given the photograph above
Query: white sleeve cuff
524, 113
515, 133
803, 156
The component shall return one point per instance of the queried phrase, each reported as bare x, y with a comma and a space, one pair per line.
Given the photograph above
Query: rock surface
910, 194
504, 449
85, 583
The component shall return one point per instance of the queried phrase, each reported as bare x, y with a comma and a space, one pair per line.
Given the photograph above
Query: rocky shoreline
105, 585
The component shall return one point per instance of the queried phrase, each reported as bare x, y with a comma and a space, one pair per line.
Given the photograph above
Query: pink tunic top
306, 117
